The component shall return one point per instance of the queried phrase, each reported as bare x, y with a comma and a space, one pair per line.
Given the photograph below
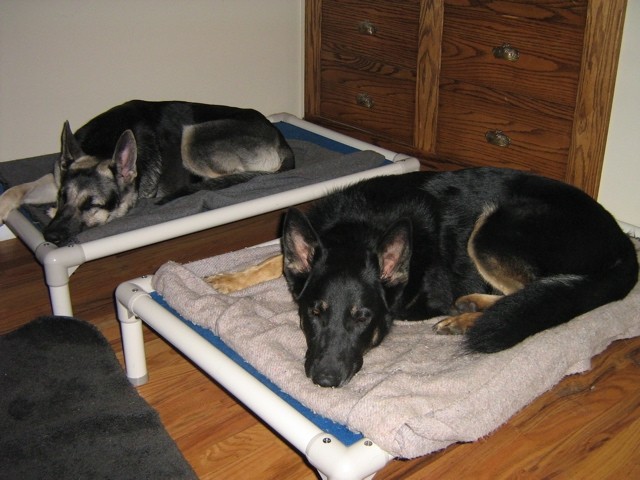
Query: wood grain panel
312, 46
427, 75
603, 36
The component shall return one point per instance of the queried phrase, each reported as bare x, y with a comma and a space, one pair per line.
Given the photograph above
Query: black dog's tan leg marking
456, 325
269, 269
476, 302
506, 273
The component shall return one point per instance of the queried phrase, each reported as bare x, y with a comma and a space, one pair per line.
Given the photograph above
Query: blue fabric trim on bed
292, 132
341, 432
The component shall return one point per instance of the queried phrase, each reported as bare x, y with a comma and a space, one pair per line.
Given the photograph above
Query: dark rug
67, 410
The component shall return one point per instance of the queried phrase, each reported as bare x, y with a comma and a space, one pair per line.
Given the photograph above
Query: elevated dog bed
324, 160
416, 393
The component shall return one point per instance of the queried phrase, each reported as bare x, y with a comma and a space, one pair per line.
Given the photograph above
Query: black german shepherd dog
507, 254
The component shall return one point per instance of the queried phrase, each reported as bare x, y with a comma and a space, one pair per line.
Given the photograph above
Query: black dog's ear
394, 253
124, 156
299, 244
70, 148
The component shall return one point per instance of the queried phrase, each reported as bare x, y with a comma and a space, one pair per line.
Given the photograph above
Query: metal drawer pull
365, 100
497, 138
367, 27
506, 52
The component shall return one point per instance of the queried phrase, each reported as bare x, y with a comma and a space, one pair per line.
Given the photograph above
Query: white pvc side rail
220, 216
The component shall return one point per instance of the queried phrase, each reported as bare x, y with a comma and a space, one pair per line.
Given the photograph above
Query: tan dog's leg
269, 269
40, 191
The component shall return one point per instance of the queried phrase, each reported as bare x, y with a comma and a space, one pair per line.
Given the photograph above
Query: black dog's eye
318, 308
90, 203
361, 314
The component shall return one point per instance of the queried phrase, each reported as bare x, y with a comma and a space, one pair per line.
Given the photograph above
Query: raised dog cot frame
59, 263
332, 458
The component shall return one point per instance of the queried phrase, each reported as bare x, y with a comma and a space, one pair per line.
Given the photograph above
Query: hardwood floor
587, 427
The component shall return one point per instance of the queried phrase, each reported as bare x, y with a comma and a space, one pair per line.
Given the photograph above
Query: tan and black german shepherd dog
506, 254
142, 149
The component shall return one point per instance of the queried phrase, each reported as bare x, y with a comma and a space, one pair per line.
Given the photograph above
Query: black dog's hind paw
465, 305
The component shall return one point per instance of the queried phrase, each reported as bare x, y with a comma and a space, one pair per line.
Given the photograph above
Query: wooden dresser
512, 83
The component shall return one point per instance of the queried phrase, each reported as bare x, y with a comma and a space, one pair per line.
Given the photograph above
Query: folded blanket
417, 392
314, 164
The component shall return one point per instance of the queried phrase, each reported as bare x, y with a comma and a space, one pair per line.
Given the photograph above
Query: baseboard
6, 233
629, 229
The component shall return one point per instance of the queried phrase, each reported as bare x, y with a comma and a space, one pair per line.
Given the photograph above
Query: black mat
67, 410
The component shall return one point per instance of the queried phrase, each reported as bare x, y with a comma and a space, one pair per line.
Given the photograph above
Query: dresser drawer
546, 60
384, 30
539, 132
381, 102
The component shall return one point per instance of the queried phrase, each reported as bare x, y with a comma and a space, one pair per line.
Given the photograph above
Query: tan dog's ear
70, 149
125, 156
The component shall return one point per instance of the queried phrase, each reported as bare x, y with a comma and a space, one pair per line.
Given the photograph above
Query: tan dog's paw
225, 282
457, 325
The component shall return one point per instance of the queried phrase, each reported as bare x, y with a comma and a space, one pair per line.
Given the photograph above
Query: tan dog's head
92, 191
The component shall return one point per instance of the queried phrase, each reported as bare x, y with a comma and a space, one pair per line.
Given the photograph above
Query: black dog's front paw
456, 325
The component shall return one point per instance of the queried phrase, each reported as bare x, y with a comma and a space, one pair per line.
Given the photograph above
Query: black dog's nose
55, 236
327, 379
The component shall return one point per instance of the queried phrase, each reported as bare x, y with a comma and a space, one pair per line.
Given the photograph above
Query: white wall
72, 59
620, 183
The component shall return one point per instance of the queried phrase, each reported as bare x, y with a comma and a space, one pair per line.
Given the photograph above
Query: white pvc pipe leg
60, 298
131, 332
134, 355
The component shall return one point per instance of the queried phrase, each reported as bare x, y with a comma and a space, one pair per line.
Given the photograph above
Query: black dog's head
91, 190
343, 290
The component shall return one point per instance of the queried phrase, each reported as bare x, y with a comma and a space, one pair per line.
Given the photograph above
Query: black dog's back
162, 121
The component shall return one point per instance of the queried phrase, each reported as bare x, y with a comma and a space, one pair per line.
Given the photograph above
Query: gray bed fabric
313, 164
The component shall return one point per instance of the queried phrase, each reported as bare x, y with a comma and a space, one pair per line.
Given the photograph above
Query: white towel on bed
417, 392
